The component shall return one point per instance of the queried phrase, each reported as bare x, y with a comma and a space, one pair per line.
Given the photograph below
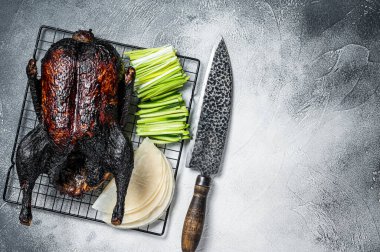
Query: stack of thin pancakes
149, 193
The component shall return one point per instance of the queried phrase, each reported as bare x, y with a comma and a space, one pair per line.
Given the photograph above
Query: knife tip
221, 41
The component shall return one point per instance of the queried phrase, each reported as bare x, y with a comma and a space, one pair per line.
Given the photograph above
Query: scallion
159, 77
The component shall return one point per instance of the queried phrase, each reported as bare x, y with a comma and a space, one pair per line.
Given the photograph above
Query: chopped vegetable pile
159, 77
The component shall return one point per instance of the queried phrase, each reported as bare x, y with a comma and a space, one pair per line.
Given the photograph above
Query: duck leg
30, 163
121, 166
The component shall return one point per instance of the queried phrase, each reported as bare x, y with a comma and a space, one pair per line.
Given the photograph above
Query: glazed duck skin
82, 102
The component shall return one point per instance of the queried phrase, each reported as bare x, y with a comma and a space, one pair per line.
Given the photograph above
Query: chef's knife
209, 141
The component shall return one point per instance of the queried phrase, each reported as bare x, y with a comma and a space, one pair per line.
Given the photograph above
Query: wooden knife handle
193, 225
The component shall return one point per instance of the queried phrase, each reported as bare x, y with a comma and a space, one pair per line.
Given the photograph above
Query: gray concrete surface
303, 151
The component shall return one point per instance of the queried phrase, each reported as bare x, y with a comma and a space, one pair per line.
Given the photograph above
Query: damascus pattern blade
215, 114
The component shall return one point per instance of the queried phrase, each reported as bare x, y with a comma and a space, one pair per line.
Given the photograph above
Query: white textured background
300, 168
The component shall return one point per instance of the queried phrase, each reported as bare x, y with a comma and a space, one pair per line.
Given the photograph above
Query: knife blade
209, 141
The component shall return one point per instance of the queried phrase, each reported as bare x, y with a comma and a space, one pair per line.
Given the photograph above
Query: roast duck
81, 102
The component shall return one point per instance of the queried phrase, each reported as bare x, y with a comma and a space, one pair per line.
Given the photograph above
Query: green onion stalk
159, 78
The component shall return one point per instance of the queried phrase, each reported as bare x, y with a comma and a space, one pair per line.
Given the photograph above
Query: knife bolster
201, 188
203, 180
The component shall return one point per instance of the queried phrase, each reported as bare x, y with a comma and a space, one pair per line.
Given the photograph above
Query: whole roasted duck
81, 102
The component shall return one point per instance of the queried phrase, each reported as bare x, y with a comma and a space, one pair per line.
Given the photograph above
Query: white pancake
154, 210
147, 180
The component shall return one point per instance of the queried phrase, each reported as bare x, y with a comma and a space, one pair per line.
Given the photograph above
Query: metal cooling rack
44, 194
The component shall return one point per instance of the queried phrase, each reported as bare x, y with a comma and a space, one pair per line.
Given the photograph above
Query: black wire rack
45, 196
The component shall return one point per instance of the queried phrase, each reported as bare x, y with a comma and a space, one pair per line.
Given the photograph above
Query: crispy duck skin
79, 85
82, 103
